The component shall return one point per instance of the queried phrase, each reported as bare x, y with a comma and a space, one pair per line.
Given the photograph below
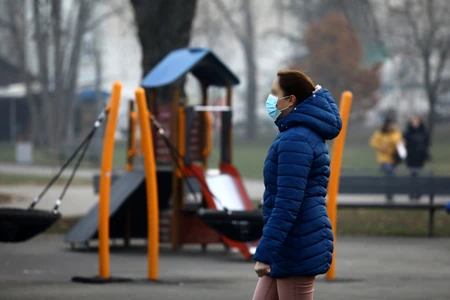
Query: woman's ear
292, 100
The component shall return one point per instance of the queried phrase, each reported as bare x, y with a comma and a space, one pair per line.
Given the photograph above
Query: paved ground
367, 268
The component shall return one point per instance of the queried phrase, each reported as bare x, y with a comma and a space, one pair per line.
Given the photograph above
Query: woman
417, 147
385, 141
297, 241
417, 144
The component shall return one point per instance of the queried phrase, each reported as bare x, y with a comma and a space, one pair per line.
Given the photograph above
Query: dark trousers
389, 171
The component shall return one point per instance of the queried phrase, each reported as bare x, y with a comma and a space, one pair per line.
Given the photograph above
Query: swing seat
240, 226
18, 225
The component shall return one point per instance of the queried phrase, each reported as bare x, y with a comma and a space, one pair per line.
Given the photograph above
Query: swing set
175, 198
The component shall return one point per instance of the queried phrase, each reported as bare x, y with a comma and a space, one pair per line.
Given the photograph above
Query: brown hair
296, 83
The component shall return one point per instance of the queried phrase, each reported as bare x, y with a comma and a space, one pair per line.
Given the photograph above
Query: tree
359, 13
163, 25
246, 36
422, 33
334, 61
49, 35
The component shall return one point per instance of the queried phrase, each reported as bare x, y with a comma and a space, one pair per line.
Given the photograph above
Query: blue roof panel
200, 61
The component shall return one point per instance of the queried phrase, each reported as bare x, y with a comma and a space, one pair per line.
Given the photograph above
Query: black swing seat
240, 226
18, 225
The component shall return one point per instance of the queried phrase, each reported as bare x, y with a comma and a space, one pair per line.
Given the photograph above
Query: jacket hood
318, 112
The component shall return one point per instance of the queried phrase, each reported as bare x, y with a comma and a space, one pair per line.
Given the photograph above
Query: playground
368, 268
188, 228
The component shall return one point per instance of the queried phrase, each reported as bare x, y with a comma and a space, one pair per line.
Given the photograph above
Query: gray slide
121, 190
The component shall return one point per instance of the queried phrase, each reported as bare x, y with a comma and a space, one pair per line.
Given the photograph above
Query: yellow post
105, 182
333, 185
151, 186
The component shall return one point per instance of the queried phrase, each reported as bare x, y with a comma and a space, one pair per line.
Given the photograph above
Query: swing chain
82, 147
175, 154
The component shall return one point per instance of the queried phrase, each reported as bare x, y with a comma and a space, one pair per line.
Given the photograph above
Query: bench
396, 185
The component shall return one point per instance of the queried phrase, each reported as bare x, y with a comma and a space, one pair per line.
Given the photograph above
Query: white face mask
271, 106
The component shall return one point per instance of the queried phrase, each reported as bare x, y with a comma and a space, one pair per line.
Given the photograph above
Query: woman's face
415, 122
391, 127
282, 101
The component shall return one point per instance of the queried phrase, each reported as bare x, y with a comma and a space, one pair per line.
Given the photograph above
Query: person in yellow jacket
385, 141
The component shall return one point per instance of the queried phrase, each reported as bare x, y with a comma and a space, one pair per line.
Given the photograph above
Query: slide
224, 187
121, 190
228, 187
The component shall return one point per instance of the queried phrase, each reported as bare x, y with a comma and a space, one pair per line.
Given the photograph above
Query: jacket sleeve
295, 157
375, 141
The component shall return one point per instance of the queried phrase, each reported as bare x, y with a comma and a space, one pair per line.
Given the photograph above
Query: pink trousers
289, 288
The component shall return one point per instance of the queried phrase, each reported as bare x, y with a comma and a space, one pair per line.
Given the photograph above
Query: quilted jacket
297, 237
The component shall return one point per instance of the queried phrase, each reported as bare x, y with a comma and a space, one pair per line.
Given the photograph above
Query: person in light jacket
297, 240
385, 141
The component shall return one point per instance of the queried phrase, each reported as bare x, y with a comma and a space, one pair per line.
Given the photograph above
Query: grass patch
64, 225
53, 157
37, 180
385, 222
5, 198
249, 156
352, 222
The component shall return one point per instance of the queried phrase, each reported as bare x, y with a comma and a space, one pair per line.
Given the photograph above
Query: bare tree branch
97, 22
433, 26
227, 15
413, 24
42, 52
442, 63
295, 39
83, 16
5, 24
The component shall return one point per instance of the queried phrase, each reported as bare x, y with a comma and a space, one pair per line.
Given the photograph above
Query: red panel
244, 248
193, 230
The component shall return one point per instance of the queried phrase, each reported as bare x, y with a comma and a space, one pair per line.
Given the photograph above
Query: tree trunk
41, 36
17, 19
252, 119
58, 113
252, 85
163, 25
432, 99
429, 89
83, 15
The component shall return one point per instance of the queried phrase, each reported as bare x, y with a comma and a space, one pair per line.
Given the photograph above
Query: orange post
132, 148
333, 185
151, 186
105, 182
208, 139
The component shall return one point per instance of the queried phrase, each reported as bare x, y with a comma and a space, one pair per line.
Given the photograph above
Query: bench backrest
436, 185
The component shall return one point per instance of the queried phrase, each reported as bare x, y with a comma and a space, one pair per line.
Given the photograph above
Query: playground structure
168, 195
166, 201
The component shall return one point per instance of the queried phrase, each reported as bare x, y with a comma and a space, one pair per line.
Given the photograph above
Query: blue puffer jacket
297, 237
